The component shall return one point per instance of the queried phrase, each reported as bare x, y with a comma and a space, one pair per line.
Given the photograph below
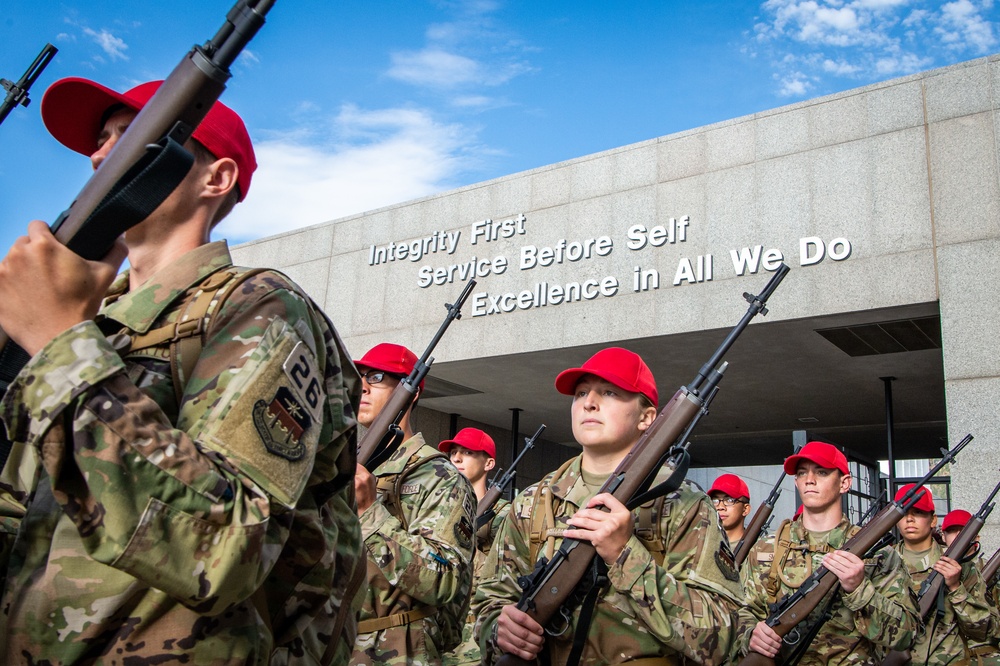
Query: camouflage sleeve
753, 573
432, 560
972, 612
184, 509
508, 560
882, 605
688, 603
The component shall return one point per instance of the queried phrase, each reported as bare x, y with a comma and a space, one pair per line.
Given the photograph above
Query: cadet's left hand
848, 567
607, 530
951, 570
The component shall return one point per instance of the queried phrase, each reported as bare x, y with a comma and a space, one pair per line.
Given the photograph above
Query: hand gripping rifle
664, 444
384, 435
484, 511
17, 93
149, 159
792, 609
932, 590
756, 526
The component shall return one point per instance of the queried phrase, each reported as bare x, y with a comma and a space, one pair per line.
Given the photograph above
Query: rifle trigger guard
564, 617
792, 637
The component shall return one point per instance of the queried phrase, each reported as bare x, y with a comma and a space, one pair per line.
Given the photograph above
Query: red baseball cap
731, 485
621, 367
956, 518
74, 108
388, 357
823, 454
925, 501
472, 439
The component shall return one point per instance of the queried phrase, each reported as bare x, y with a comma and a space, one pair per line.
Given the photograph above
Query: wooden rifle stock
794, 608
756, 525
990, 570
552, 583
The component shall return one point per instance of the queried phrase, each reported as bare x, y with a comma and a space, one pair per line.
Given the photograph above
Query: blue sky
356, 105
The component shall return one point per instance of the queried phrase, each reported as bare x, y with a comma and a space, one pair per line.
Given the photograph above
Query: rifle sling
133, 198
598, 582
670, 485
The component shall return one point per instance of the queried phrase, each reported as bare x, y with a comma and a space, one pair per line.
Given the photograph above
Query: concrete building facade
884, 201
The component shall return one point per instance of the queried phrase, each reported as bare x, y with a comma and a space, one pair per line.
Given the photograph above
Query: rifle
149, 160
663, 445
17, 93
990, 570
792, 609
756, 526
384, 435
931, 594
484, 511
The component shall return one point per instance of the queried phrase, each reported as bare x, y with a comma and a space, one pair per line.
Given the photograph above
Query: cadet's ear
646, 418
490, 463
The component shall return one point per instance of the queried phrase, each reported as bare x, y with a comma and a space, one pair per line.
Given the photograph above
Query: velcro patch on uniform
409, 489
281, 424
727, 564
765, 558
304, 379
463, 532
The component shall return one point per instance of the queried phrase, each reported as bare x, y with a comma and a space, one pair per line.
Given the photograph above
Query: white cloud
378, 158
433, 67
962, 25
868, 40
796, 85
115, 47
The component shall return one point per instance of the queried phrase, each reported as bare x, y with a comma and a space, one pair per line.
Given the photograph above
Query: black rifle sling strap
133, 198
597, 579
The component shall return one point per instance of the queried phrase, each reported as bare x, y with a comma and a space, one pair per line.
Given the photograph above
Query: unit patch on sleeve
281, 424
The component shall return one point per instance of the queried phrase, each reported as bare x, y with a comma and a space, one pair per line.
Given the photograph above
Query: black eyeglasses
728, 501
375, 376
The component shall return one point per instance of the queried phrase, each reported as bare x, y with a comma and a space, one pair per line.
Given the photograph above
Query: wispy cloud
463, 57
371, 159
113, 46
811, 42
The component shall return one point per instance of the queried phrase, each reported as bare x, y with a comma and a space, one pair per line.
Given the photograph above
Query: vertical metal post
890, 434
515, 428
452, 425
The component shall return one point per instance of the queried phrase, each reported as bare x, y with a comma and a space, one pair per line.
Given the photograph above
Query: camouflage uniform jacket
423, 561
682, 610
986, 650
966, 613
468, 652
879, 615
196, 533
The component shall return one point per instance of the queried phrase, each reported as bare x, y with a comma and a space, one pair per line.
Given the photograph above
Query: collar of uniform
569, 485
397, 461
838, 535
139, 309
926, 563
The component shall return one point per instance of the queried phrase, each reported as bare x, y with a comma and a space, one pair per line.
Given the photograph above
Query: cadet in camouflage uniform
873, 611
206, 521
731, 498
978, 649
473, 453
416, 519
966, 614
672, 587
